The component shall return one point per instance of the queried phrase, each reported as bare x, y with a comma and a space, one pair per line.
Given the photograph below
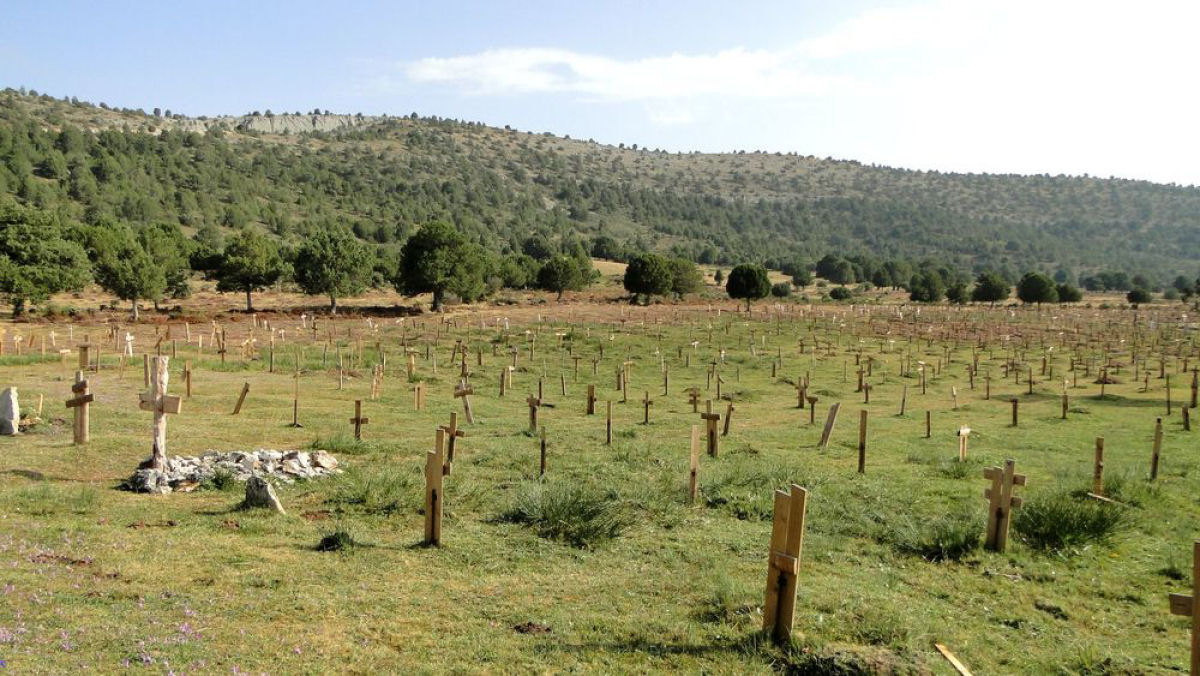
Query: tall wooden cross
80, 403
711, 419
646, 402
358, 420
1001, 502
1182, 604
783, 562
435, 469
158, 402
464, 392
694, 398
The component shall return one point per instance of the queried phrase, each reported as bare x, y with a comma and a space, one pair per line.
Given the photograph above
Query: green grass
607, 552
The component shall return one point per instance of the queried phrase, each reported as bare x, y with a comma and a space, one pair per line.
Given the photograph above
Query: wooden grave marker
158, 402
80, 402
1185, 605
829, 423
358, 420
464, 392
1001, 502
711, 419
237, 408
783, 563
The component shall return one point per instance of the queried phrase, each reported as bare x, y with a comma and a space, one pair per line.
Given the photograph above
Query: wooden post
434, 473
928, 424
1015, 403
728, 416
358, 420
783, 563
812, 410
829, 423
694, 463
1098, 469
80, 402
453, 434
1182, 604
608, 424
711, 419
591, 400
964, 433
1158, 435
419, 396
862, 441
903, 399
1001, 502
1065, 404
146, 369
542, 464
241, 399
157, 401
534, 404
646, 402
296, 400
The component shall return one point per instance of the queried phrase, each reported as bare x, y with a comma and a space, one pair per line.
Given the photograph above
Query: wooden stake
241, 399
783, 563
1001, 502
1182, 604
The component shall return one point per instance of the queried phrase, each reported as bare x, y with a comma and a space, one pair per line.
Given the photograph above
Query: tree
1137, 296
1185, 286
251, 262
648, 275
437, 259
926, 286
802, 277
123, 266
840, 293
333, 263
718, 276
990, 287
957, 293
685, 277
36, 258
1035, 287
748, 282
559, 274
167, 246
1068, 293
782, 289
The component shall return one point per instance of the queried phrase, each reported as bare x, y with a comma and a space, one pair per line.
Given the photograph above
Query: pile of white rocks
188, 473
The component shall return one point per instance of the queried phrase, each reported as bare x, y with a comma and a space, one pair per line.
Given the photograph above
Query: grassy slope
680, 590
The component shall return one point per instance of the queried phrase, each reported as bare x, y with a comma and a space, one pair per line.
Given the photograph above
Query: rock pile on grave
187, 473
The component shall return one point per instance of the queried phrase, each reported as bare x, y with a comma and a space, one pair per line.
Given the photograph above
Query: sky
1002, 86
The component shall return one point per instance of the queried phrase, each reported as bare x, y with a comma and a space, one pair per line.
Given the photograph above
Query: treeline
499, 187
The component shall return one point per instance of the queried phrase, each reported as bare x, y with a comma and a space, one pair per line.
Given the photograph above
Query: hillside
386, 175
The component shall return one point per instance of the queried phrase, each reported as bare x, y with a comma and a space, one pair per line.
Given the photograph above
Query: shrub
221, 480
339, 540
841, 293
579, 515
380, 491
1059, 521
781, 290
746, 488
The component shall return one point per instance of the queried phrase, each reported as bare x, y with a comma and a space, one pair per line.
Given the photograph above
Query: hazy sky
1105, 88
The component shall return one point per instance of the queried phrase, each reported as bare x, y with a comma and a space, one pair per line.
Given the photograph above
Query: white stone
10, 412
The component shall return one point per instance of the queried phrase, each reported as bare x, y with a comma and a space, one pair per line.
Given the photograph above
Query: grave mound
187, 473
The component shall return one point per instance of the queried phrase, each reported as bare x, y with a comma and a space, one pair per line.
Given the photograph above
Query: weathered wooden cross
534, 404
435, 470
711, 419
80, 402
160, 404
453, 433
783, 562
1001, 502
694, 398
464, 392
358, 420
646, 402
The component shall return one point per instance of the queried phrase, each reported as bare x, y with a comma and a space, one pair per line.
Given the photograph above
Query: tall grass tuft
383, 490
1059, 521
578, 515
946, 538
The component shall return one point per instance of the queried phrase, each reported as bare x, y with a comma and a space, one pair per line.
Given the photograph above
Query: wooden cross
160, 404
358, 420
694, 398
534, 404
464, 392
812, 410
1001, 502
80, 403
1185, 605
453, 433
85, 357
783, 562
646, 402
711, 419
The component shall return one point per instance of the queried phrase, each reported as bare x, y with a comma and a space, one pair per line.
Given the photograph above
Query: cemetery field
606, 563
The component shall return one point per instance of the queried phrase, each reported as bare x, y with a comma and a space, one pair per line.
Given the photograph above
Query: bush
221, 480
781, 290
382, 491
579, 515
841, 293
339, 540
746, 488
1059, 521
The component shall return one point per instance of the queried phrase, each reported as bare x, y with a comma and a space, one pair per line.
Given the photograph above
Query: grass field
603, 565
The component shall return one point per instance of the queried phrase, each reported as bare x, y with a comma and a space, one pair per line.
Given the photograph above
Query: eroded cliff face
275, 124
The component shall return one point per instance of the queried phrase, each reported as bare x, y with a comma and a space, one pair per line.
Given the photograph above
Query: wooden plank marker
829, 423
80, 402
1098, 470
358, 420
237, 408
964, 433
646, 402
783, 563
534, 404
453, 434
1157, 450
1185, 605
1001, 502
591, 400
434, 473
694, 466
862, 441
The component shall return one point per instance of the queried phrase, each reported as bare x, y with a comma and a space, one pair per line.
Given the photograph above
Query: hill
384, 176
